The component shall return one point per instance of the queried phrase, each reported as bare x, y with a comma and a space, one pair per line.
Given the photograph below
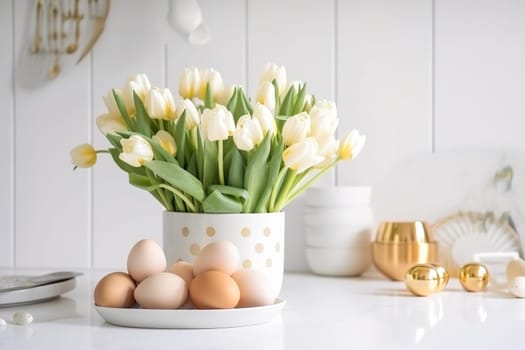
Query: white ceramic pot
259, 238
339, 262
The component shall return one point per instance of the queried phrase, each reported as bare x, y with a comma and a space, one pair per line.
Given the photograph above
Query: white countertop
320, 313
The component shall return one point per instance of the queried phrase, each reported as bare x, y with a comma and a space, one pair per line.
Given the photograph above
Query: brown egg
255, 288
145, 258
115, 290
214, 290
184, 270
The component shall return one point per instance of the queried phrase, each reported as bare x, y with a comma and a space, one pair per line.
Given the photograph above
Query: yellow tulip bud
135, 151
83, 156
352, 145
296, 128
166, 141
303, 155
190, 83
109, 123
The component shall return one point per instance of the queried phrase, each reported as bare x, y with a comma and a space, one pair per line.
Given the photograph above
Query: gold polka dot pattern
210, 231
195, 249
185, 231
247, 264
245, 232
267, 231
259, 248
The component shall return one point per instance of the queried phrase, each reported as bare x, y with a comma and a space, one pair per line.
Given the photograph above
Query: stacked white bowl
338, 230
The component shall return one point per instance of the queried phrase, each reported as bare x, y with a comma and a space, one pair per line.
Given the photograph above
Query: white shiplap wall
415, 76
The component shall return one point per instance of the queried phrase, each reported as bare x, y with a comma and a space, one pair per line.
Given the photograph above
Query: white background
415, 76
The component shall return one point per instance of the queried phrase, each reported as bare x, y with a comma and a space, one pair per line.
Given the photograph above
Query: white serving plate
190, 318
36, 294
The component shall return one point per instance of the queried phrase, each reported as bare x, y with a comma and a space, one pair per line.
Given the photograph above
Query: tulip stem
276, 187
101, 151
179, 194
296, 192
220, 162
288, 183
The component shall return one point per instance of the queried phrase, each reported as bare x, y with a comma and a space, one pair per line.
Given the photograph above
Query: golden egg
443, 276
474, 277
423, 279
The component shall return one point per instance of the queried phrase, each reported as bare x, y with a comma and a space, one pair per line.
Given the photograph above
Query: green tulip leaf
208, 97
236, 172
114, 139
236, 192
143, 121
299, 101
180, 138
123, 112
216, 202
273, 171
246, 102
255, 174
210, 166
288, 102
177, 177
277, 96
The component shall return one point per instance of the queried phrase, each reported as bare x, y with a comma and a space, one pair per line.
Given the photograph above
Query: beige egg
255, 288
515, 268
184, 269
163, 290
214, 290
115, 290
145, 258
217, 256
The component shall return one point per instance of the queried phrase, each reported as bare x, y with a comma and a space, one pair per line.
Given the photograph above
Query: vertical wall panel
225, 52
480, 46
384, 82
51, 200
6, 134
123, 214
299, 35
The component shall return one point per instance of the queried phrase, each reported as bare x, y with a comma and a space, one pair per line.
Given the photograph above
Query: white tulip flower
308, 102
111, 104
217, 123
160, 104
324, 120
328, 150
110, 123
352, 145
190, 83
302, 155
272, 71
265, 118
226, 95
135, 151
248, 133
214, 79
192, 114
266, 95
166, 141
140, 85
296, 128
83, 156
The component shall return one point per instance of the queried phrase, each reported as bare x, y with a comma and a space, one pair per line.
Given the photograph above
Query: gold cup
400, 245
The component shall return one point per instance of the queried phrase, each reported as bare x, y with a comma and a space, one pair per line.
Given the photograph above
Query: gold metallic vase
400, 245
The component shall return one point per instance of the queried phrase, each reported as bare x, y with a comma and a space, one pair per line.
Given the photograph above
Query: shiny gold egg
443, 276
474, 277
423, 279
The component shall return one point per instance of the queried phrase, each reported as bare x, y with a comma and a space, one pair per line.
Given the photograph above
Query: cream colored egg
217, 256
184, 269
145, 258
517, 286
163, 290
115, 290
214, 290
515, 268
255, 288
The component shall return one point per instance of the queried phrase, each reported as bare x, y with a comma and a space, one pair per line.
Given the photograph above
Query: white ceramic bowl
338, 196
338, 216
338, 262
339, 236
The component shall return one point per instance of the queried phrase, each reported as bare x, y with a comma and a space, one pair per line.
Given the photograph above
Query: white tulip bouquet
214, 150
